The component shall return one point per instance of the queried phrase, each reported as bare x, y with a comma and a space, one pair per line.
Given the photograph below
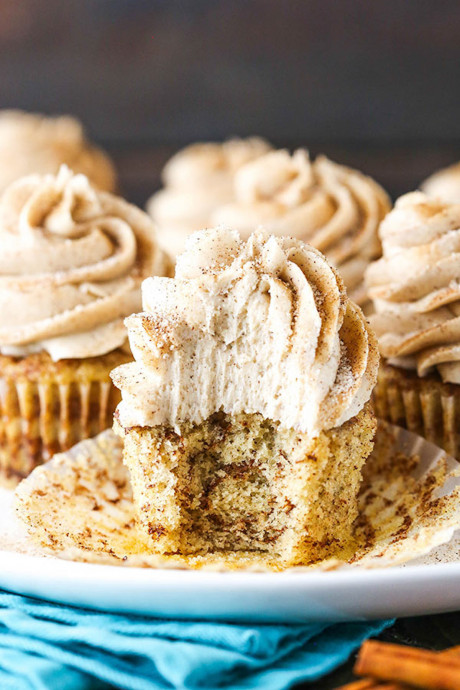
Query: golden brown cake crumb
243, 483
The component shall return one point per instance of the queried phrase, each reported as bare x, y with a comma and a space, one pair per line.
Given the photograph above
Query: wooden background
375, 84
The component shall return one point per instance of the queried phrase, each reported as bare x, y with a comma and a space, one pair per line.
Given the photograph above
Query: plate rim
343, 576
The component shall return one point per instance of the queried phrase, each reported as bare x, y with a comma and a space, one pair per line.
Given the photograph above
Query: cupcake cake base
79, 507
46, 407
241, 483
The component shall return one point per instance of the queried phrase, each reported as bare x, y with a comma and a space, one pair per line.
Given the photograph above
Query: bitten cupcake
415, 289
33, 143
196, 180
334, 208
71, 266
444, 184
245, 415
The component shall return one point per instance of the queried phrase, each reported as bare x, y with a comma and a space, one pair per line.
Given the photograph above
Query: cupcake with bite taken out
415, 288
72, 262
245, 414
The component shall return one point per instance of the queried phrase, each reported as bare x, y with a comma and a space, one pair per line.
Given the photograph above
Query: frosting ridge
444, 184
415, 286
334, 208
33, 143
72, 262
262, 325
196, 180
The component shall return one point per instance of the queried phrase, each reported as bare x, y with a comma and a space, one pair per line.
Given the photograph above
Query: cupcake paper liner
408, 506
426, 406
46, 408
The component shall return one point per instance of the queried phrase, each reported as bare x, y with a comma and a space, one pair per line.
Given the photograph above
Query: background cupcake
444, 184
32, 143
415, 289
197, 179
332, 207
71, 265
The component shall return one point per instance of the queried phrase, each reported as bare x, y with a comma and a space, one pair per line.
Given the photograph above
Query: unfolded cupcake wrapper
426, 406
408, 505
41, 415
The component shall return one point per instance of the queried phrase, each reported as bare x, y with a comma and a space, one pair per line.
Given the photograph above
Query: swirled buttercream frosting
444, 184
32, 143
71, 266
415, 286
334, 208
196, 180
257, 326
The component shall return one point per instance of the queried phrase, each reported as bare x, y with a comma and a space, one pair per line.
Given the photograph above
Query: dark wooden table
431, 632
399, 168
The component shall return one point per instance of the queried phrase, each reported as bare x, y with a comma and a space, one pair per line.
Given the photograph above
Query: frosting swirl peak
415, 286
71, 266
197, 179
334, 208
258, 326
33, 143
444, 184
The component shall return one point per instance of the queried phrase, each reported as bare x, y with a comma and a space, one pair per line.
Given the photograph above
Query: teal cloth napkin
45, 646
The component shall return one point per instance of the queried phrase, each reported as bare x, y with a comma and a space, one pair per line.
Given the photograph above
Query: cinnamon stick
369, 684
409, 665
372, 684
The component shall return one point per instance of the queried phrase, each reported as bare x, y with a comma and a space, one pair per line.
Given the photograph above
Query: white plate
238, 596
430, 585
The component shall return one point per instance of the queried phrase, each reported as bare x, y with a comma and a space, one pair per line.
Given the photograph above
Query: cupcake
71, 266
32, 143
245, 415
196, 180
444, 184
415, 289
334, 208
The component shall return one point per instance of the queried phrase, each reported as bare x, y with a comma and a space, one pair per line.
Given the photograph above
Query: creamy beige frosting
196, 180
444, 184
262, 325
32, 143
332, 207
416, 286
72, 262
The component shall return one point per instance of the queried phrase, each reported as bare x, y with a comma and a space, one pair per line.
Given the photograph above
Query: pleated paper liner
47, 407
426, 406
79, 507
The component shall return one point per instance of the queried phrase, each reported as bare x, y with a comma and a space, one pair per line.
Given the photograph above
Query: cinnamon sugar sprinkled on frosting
416, 286
197, 179
258, 326
334, 208
72, 262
